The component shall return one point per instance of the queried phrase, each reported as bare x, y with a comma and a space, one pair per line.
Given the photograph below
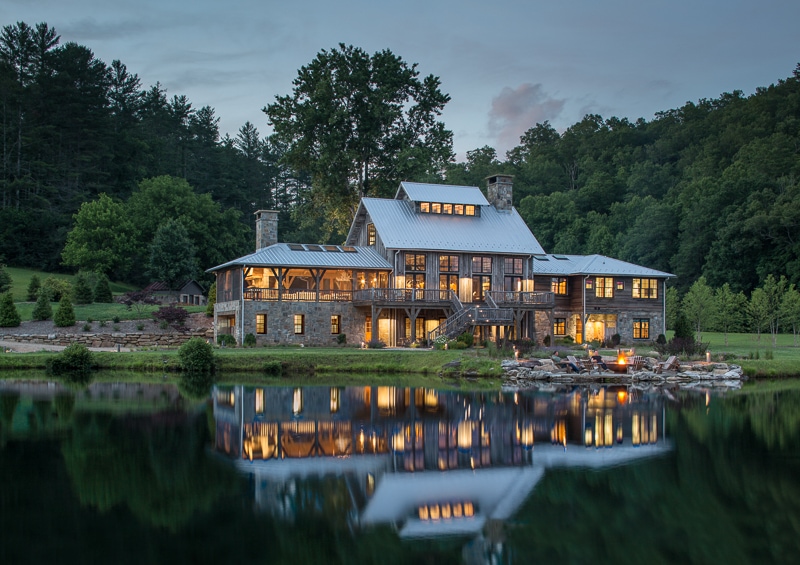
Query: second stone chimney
266, 228
500, 191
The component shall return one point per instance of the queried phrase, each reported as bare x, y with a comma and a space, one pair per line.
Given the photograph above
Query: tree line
705, 190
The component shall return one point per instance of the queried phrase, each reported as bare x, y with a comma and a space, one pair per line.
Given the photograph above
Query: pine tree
102, 291
33, 288
212, 299
65, 315
82, 290
42, 310
9, 317
5, 279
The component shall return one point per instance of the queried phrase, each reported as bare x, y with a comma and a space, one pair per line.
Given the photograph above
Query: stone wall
317, 322
110, 340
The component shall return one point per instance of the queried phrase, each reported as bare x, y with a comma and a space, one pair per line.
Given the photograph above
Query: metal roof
400, 227
422, 192
297, 255
557, 264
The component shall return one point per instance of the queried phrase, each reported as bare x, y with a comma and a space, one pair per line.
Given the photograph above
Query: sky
507, 64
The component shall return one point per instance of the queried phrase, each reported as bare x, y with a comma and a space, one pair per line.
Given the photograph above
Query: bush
9, 317
33, 288
273, 368
5, 279
615, 340
661, 339
682, 346
467, 339
212, 299
226, 340
524, 346
456, 344
196, 356
546, 340
82, 291
341, 339
75, 358
87, 327
171, 315
376, 344
56, 288
102, 291
249, 340
65, 314
43, 310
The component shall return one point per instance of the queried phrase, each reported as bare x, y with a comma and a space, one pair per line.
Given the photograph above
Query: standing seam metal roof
280, 255
400, 227
557, 264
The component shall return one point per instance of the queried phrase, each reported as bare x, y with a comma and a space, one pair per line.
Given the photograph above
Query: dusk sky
506, 64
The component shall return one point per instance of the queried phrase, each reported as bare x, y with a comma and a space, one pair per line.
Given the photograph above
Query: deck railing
522, 298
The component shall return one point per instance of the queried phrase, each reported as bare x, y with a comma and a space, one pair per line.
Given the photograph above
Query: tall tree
359, 124
730, 310
172, 255
699, 306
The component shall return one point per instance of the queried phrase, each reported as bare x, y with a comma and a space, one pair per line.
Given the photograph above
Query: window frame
642, 292
641, 326
372, 235
301, 318
336, 324
261, 323
604, 287
559, 326
556, 284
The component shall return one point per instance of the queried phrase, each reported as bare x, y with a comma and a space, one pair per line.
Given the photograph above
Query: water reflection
427, 462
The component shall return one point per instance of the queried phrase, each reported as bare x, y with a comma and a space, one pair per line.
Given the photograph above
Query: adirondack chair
580, 363
671, 364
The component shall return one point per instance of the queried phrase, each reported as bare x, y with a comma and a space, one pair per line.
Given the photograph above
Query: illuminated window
481, 277
261, 323
645, 288
458, 209
604, 287
513, 265
560, 326
469, 210
415, 270
448, 263
299, 324
481, 264
336, 324
436, 208
620, 285
558, 285
425, 207
447, 208
641, 328
370, 234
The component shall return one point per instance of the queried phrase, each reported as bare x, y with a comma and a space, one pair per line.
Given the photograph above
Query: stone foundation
110, 340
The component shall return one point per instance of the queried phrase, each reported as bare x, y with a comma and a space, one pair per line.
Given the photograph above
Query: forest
94, 161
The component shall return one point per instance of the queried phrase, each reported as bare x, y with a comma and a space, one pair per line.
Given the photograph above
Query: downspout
241, 318
583, 319
664, 309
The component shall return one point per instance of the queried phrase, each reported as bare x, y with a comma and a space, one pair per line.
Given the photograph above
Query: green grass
21, 278
99, 312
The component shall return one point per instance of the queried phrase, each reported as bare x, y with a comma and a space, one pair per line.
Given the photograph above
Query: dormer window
436, 208
469, 210
447, 208
458, 209
425, 207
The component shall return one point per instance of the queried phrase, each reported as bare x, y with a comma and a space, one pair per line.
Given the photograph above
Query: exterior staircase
464, 318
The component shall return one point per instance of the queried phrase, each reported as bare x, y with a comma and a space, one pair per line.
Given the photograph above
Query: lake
128, 473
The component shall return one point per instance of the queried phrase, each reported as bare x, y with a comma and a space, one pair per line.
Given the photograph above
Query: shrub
5, 279
87, 327
43, 310
376, 344
546, 340
171, 315
683, 329
75, 358
226, 340
212, 299
9, 317
115, 319
103, 323
249, 340
273, 367
615, 340
139, 327
196, 356
65, 314
524, 346
341, 339
56, 288
163, 324
102, 291
661, 339
467, 338
33, 288
682, 346
138, 301
115, 327
82, 291
456, 344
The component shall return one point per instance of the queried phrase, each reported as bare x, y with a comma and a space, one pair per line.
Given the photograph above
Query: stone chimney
500, 191
266, 228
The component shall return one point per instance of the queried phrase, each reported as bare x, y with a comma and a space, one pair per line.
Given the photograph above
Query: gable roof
311, 256
557, 264
400, 227
163, 286
453, 194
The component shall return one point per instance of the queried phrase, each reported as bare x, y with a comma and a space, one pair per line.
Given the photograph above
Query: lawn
21, 278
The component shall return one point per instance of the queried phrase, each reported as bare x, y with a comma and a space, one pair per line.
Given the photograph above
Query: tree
33, 288
359, 124
102, 237
790, 310
172, 255
81, 290
212, 299
65, 313
5, 279
102, 290
9, 317
699, 306
758, 311
673, 305
774, 289
730, 309
43, 310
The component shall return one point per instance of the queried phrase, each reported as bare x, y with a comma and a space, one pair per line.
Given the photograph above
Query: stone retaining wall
132, 340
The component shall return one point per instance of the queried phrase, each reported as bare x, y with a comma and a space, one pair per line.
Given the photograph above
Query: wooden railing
521, 298
295, 295
472, 316
401, 295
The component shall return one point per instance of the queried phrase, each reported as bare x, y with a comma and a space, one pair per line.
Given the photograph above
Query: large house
435, 260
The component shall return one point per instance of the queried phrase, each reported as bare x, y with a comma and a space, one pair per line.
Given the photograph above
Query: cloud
516, 110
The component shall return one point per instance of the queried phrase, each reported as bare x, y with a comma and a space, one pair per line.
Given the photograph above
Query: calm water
139, 474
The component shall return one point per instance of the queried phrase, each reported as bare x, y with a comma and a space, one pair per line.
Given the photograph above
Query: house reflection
428, 462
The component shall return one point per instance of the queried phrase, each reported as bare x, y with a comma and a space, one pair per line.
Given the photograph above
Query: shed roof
557, 264
400, 227
311, 256
453, 194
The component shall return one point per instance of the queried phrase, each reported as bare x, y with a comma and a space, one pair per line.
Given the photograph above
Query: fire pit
620, 365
